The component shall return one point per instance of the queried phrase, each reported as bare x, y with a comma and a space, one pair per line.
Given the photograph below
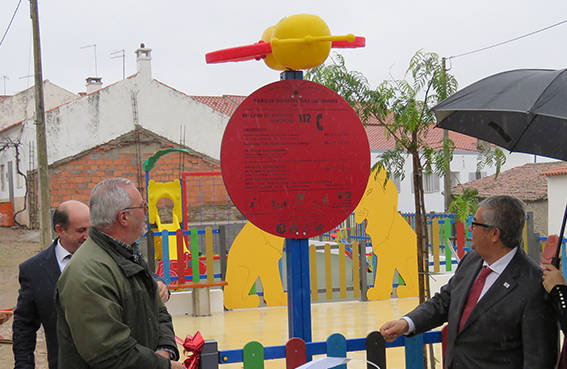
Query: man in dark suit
504, 322
38, 277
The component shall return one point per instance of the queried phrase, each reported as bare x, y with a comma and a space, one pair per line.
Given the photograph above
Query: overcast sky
181, 32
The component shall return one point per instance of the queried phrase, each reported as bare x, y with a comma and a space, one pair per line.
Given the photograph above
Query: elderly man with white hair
109, 311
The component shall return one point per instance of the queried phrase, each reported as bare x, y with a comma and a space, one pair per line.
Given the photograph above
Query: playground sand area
231, 329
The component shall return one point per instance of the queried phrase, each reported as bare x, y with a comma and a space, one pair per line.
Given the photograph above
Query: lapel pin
506, 285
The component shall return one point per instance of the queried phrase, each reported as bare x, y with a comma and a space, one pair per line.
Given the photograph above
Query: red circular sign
295, 159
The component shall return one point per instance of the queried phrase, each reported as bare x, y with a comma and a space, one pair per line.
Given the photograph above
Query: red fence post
460, 239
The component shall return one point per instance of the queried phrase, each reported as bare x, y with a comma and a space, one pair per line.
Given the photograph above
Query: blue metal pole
298, 288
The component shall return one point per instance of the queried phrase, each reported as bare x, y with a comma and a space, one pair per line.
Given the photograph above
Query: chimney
144, 61
93, 84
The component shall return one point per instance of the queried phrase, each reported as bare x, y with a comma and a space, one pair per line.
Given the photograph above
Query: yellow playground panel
393, 240
172, 191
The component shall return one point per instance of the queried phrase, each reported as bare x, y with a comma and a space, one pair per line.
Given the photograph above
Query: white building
137, 105
463, 167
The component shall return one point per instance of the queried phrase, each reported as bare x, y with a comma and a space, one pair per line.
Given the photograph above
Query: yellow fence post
313, 272
356, 269
328, 272
210, 256
342, 270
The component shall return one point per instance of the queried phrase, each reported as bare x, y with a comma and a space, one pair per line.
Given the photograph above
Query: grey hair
508, 214
108, 198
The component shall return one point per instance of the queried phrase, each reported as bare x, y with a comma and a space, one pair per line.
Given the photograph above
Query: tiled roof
527, 182
378, 141
226, 104
557, 171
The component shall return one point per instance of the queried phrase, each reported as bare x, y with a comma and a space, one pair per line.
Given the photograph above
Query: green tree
403, 108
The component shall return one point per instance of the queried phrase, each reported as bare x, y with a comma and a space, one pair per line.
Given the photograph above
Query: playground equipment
155, 191
172, 191
304, 195
254, 254
300, 41
393, 239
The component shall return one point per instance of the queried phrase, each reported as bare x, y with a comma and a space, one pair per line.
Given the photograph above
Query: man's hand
177, 365
163, 291
5, 315
174, 364
552, 277
393, 329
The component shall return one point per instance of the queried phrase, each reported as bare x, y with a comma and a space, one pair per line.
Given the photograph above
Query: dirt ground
16, 245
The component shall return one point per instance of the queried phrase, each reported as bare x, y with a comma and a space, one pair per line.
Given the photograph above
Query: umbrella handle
555, 260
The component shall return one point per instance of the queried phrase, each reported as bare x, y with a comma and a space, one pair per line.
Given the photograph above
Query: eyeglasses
143, 206
475, 224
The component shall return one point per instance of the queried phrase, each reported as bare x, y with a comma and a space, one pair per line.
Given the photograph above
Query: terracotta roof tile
226, 104
378, 141
556, 171
527, 182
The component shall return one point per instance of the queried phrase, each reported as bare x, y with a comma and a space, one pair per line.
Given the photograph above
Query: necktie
474, 294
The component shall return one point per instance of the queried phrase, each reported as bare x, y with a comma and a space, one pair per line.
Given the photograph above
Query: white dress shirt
63, 256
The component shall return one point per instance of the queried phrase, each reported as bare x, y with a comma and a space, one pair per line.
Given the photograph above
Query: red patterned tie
474, 294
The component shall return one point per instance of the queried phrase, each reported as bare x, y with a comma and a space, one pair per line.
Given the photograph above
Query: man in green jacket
109, 312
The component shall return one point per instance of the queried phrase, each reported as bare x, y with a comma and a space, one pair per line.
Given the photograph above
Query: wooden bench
200, 297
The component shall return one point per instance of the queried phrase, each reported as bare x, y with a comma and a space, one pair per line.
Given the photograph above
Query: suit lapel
505, 284
50, 265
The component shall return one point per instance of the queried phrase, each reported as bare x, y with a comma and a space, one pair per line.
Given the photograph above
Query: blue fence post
165, 256
414, 352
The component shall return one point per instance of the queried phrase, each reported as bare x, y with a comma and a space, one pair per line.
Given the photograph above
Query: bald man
38, 277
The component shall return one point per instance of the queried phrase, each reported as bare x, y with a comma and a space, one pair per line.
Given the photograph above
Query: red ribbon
192, 349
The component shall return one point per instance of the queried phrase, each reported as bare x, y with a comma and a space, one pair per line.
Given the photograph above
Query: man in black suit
38, 277
510, 324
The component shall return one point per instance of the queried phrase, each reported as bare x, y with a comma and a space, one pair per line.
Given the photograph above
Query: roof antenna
123, 56
94, 47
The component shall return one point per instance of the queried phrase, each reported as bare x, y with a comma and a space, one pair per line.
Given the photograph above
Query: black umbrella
522, 110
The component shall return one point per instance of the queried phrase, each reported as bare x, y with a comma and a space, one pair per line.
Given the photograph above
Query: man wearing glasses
494, 304
109, 311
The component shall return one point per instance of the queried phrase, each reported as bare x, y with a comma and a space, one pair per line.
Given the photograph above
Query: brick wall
75, 177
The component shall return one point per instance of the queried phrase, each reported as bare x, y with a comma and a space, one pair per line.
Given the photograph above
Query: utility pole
447, 175
42, 164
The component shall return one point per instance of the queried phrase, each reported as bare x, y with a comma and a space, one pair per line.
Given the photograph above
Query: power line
505, 42
10, 24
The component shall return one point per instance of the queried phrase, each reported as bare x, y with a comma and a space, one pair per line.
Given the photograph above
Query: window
455, 178
476, 175
430, 183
